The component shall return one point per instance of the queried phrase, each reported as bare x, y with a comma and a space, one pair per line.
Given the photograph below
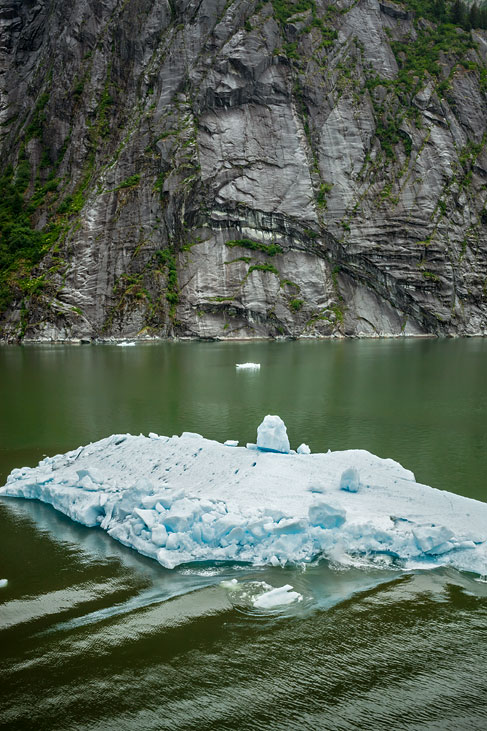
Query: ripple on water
129, 645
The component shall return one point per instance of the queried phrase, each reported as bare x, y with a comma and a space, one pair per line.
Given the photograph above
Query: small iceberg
279, 597
124, 344
3, 583
247, 366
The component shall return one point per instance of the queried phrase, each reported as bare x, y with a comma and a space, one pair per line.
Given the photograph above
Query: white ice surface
3, 583
187, 498
124, 344
277, 597
248, 366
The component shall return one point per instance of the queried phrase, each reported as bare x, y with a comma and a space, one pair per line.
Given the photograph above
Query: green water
423, 403
94, 636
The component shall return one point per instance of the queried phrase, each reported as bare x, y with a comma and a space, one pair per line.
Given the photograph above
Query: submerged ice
186, 499
277, 597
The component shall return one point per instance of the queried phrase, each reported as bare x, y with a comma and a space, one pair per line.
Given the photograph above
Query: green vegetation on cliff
464, 14
269, 249
21, 245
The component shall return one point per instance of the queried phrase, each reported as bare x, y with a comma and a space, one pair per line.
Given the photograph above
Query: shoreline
192, 339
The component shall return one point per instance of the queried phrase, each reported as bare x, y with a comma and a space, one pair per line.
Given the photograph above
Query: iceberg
277, 597
185, 499
247, 366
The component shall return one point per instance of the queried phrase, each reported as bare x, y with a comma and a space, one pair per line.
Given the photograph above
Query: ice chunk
168, 498
231, 584
279, 597
272, 434
148, 516
159, 535
231, 443
181, 515
93, 473
124, 344
433, 539
247, 366
87, 483
168, 559
290, 525
3, 583
150, 501
350, 480
303, 449
325, 515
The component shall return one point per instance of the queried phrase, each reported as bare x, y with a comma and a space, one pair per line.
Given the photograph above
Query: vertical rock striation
240, 169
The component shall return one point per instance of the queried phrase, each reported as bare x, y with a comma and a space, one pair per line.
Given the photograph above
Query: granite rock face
220, 172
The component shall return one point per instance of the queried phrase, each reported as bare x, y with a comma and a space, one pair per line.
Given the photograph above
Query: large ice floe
186, 499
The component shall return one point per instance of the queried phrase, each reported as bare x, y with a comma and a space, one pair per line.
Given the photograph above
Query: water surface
422, 402
94, 636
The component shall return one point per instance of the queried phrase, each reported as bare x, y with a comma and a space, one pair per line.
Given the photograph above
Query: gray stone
236, 137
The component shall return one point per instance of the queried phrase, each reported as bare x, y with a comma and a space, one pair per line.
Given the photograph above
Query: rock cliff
240, 169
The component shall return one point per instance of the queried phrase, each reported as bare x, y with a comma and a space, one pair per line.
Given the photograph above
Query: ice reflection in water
117, 642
